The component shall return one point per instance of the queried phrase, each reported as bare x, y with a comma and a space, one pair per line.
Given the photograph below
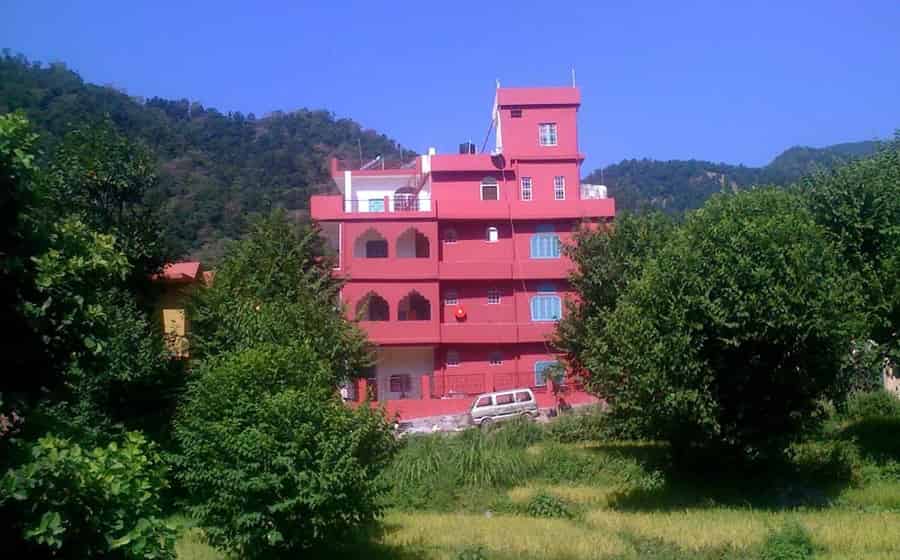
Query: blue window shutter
376, 205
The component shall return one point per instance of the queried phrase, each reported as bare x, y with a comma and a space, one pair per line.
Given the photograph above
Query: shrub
547, 505
104, 503
580, 426
791, 542
872, 404
273, 461
827, 461
518, 433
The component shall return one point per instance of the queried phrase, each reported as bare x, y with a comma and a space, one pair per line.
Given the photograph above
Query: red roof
185, 271
539, 96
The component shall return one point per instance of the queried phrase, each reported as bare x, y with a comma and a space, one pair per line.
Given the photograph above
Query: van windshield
482, 401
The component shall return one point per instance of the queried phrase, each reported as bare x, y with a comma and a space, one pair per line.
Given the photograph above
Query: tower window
526, 188
559, 187
547, 134
490, 190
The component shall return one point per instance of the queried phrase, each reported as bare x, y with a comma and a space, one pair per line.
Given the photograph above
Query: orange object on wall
460, 314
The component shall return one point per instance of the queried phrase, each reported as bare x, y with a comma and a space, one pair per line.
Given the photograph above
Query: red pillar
425, 386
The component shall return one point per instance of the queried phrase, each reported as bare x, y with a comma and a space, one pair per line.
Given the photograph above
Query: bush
791, 542
827, 461
580, 426
872, 404
104, 503
547, 505
273, 461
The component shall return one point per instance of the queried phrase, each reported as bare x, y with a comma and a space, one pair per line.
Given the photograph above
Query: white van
503, 405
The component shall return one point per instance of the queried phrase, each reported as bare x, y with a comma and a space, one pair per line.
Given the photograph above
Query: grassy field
519, 492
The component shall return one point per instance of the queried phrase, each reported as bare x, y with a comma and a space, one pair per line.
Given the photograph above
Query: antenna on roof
498, 83
573, 76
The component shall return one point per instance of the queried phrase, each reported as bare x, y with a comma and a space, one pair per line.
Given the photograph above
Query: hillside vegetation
215, 169
678, 185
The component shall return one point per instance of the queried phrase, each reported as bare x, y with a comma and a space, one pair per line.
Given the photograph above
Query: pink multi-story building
453, 262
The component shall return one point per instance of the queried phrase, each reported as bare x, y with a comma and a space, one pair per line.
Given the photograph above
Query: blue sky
726, 81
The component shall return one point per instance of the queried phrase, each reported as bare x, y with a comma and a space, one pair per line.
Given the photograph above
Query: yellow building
178, 281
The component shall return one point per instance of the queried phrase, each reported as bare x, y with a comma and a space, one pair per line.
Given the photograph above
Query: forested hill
679, 185
216, 169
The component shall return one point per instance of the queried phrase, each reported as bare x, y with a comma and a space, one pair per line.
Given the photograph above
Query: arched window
414, 307
370, 245
546, 305
545, 243
373, 307
413, 244
490, 189
450, 235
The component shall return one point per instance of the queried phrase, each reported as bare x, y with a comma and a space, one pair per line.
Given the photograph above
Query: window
376, 249
483, 401
493, 296
450, 298
450, 235
546, 305
547, 134
515, 113
452, 358
559, 187
400, 383
493, 234
539, 368
490, 190
506, 398
376, 205
523, 396
545, 243
526, 188
496, 358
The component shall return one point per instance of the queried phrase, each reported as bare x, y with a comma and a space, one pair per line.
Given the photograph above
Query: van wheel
486, 423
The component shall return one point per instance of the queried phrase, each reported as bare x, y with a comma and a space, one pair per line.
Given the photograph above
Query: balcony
334, 207
402, 332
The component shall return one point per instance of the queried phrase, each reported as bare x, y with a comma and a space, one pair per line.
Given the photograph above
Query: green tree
274, 286
734, 331
272, 459
606, 260
858, 205
22, 359
104, 178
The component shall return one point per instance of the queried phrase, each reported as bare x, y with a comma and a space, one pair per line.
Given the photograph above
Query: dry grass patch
691, 529
854, 533
502, 534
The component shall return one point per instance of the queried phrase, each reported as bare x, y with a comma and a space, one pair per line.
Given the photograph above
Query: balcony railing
396, 203
384, 163
592, 192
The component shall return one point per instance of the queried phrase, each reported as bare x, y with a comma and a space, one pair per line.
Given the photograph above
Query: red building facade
454, 263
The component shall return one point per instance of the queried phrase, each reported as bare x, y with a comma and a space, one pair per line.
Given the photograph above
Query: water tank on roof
467, 148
